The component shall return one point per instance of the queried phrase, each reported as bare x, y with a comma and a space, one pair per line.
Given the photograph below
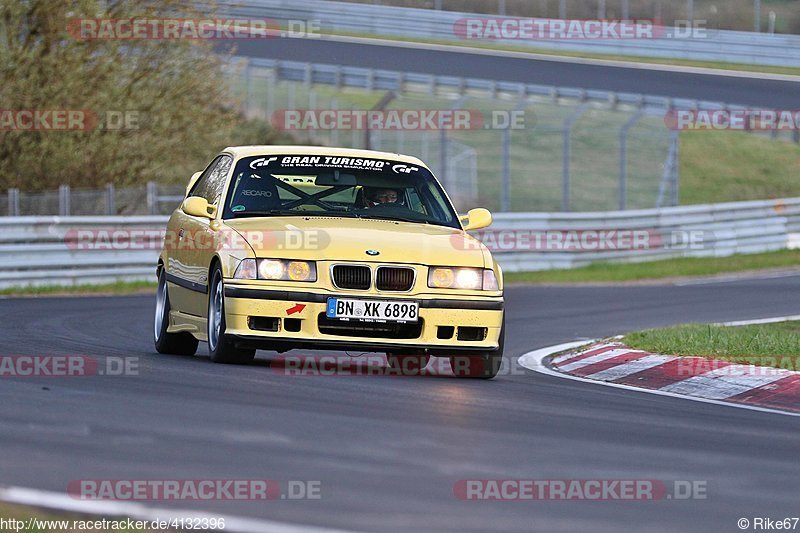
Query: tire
220, 347
169, 343
407, 364
484, 366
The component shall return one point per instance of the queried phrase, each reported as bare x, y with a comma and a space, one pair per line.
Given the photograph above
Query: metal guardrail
719, 229
340, 76
717, 45
48, 250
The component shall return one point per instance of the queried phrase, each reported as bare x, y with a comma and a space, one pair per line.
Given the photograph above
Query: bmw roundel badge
373, 252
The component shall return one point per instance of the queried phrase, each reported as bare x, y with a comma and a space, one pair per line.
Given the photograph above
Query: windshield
320, 185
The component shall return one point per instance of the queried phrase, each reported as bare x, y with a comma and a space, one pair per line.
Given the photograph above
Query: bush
175, 95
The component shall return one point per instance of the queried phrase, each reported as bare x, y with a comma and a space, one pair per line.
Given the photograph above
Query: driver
381, 195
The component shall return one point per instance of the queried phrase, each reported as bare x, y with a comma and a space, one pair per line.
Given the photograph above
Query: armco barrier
712, 230
414, 23
43, 250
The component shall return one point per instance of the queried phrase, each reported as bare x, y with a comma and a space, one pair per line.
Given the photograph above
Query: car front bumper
473, 324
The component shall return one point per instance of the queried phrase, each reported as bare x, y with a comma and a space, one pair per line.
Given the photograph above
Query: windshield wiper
285, 212
396, 219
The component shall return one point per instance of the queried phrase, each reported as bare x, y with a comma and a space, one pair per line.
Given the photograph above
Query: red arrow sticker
296, 309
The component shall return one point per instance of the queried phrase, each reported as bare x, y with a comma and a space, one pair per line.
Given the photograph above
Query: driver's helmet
383, 195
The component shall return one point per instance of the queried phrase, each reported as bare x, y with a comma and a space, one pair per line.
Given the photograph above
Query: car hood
348, 239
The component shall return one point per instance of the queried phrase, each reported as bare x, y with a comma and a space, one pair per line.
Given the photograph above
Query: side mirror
198, 207
192, 181
477, 218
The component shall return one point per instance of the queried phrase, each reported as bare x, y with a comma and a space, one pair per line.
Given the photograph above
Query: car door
194, 248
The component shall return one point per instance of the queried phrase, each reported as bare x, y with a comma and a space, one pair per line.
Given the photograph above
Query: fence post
111, 208
623, 158
443, 156
626, 9
63, 200
13, 202
690, 12
562, 9
334, 136
676, 169
271, 95
669, 177
385, 100
565, 157
757, 16
601, 9
505, 191
152, 198
501, 8
247, 74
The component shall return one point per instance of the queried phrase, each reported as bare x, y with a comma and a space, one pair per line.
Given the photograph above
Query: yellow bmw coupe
282, 247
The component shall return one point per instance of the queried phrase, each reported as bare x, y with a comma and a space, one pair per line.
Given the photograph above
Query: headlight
462, 278
276, 270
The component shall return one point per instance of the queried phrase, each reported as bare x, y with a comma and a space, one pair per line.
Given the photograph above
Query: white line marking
592, 359
563, 59
624, 370
534, 360
725, 382
137, 511
735, 277
771, 320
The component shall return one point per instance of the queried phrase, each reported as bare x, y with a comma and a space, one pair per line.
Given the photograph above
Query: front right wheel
220, 346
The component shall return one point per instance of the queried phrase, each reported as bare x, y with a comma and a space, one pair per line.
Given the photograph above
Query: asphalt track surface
732, 90
388, 450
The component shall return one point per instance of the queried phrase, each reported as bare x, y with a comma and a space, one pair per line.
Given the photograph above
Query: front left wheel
484, 366
169, 343
220, 346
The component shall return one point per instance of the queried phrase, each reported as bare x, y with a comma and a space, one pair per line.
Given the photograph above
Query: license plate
373, 310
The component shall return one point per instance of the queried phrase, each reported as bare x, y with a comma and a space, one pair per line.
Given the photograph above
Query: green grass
667, 268
775, 344
730, 166
122, 287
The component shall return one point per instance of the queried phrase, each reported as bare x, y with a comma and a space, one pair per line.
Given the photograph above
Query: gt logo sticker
262, 162
404, 169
